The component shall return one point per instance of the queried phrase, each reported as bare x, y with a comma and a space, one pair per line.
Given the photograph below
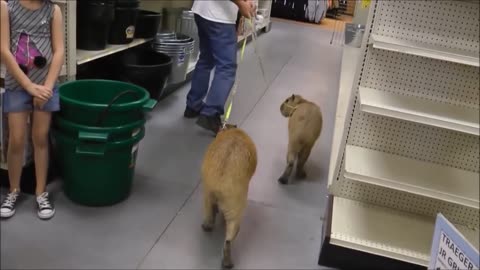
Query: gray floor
159, 225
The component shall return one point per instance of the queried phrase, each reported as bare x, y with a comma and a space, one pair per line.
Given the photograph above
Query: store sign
450, 249
365, 3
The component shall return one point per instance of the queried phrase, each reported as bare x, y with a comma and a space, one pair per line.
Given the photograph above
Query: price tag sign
450, 249
365, 3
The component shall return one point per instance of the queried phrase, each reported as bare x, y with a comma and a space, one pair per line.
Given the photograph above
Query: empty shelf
84, 56
417, 110
386, 232
425, 50
412, 176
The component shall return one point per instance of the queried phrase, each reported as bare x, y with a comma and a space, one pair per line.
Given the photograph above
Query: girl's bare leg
40, 129
17, 126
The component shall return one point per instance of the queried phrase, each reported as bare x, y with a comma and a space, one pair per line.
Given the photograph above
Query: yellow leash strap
234, 90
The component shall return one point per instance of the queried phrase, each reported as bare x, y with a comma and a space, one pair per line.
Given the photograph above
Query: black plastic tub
94, 19
148, 23
147, 69
123, 27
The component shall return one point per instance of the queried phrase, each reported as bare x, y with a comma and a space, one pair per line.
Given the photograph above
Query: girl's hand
38, 103
39, 91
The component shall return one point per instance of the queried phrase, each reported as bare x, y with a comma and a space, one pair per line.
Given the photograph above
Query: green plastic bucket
96, 172
103, 103
116, 133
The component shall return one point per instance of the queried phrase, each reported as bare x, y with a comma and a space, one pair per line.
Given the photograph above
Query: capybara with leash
228, 165
304, 127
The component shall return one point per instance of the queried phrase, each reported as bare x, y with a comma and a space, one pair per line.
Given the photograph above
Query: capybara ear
293, 97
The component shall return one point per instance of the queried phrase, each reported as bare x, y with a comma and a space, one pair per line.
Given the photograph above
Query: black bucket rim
170, 61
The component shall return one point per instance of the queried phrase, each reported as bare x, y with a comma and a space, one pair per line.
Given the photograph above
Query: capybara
228, 165
304, 127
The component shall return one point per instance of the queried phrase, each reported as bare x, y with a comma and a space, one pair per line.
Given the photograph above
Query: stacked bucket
96, 136
187, 26
179, 47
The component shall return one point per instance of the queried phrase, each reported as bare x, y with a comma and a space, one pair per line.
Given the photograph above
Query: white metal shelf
412, 176
386, 232
461, 119
84, 56
429, 51
409, 146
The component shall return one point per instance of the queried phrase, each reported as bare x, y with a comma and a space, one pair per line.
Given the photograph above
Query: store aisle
159, 226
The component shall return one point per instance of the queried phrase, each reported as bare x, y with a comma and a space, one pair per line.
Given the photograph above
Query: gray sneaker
7, 209
45, 207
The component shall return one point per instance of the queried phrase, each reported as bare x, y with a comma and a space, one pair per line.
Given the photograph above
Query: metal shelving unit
79, 57
75, 57
409, 146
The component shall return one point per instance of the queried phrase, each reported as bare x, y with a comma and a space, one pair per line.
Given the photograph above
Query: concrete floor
158, 227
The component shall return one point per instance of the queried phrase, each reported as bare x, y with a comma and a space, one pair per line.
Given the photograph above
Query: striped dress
32, 27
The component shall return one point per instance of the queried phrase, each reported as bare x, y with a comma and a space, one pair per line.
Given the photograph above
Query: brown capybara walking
304, 127
229, 163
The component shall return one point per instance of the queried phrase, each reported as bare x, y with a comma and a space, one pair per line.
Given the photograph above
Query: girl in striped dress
32, 49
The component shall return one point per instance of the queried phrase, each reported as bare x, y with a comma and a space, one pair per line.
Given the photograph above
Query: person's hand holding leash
245, 7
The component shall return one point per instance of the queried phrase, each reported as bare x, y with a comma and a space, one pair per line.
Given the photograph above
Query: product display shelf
386, 232
461, 119
412, 176
408, 147
78, 57
84, 56
425, 50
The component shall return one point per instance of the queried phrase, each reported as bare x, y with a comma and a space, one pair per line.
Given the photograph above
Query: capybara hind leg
233, 226
302, 159
210, 211
288, 169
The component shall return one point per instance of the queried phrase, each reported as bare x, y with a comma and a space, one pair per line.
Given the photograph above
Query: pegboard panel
416, 141
449, 25
430, 79
446, 24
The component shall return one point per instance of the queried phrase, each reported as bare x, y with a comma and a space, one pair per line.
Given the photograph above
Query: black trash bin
123, 26
94, 19
148, 23
147, 69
